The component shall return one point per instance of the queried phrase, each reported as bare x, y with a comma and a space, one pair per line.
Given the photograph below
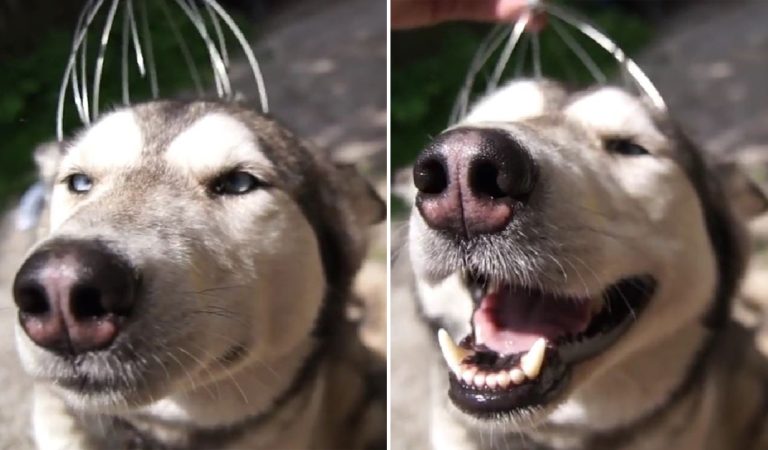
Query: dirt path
328, 82
711, 64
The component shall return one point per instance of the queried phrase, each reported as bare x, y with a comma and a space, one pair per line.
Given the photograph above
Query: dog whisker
202, 366
229, 374
169, 352
228, 315
209, 335
218, 289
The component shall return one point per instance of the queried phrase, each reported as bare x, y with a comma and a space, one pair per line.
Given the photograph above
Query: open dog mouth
524, 342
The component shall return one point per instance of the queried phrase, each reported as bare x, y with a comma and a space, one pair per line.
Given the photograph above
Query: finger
414, 13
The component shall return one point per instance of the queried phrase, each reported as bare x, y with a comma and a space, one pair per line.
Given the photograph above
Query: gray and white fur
684, 375
238, 335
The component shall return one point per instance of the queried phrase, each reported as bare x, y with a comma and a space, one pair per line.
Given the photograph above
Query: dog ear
32, 204
47, 158
366, 204
403, 187
748, 198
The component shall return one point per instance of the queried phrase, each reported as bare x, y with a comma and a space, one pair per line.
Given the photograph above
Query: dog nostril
508, 176
86, 303
429, 176
485, 180
33, 300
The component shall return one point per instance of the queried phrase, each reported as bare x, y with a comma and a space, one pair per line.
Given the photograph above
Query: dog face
185, 243
564, 239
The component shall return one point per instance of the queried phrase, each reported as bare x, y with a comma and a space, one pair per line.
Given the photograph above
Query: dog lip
624, 300
233, 355
83, 383
486, 403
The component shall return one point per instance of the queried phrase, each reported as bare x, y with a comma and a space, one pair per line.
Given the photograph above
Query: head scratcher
505, 39
131, 18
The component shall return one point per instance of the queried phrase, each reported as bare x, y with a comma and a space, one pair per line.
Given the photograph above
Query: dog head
186, 240
570, 239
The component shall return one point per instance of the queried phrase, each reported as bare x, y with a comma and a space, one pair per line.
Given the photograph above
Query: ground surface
325, 66
711, 64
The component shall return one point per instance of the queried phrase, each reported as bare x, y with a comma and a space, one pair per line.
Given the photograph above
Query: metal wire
522, 44
151, 67
102, 52
213, 28
70, 75
191, 65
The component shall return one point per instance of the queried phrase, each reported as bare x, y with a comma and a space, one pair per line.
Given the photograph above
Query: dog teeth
472, 376
452, 353
516, 375
468, 374
479, 380
530, 365
531, 362
503, 379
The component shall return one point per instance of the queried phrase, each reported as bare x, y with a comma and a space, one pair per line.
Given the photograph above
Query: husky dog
191, 289
577, 256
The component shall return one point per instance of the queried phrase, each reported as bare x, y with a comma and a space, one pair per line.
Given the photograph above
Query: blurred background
35, 41
325, 81
305, 55
709, 59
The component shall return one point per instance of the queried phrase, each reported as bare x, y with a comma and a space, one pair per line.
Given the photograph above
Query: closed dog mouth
524, 342
129, 377
87, 384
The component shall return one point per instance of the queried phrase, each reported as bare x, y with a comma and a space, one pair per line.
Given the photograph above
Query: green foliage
29, 86
27, 101
429, 66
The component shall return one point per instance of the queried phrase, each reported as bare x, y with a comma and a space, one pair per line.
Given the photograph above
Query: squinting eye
624, 146
79, 183
235, 183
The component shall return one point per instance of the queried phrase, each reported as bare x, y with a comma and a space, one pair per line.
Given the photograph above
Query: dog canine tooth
452, 353
516, 375
531, 362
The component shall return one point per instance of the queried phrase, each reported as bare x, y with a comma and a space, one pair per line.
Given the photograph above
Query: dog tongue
511, 319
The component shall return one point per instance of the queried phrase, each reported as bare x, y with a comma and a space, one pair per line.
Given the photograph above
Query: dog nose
74, 295
471, 180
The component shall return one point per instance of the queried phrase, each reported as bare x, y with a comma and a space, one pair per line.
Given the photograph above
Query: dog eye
235, 183
79, 183
624, 146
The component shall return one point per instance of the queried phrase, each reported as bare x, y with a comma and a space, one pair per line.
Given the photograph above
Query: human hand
417, 13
